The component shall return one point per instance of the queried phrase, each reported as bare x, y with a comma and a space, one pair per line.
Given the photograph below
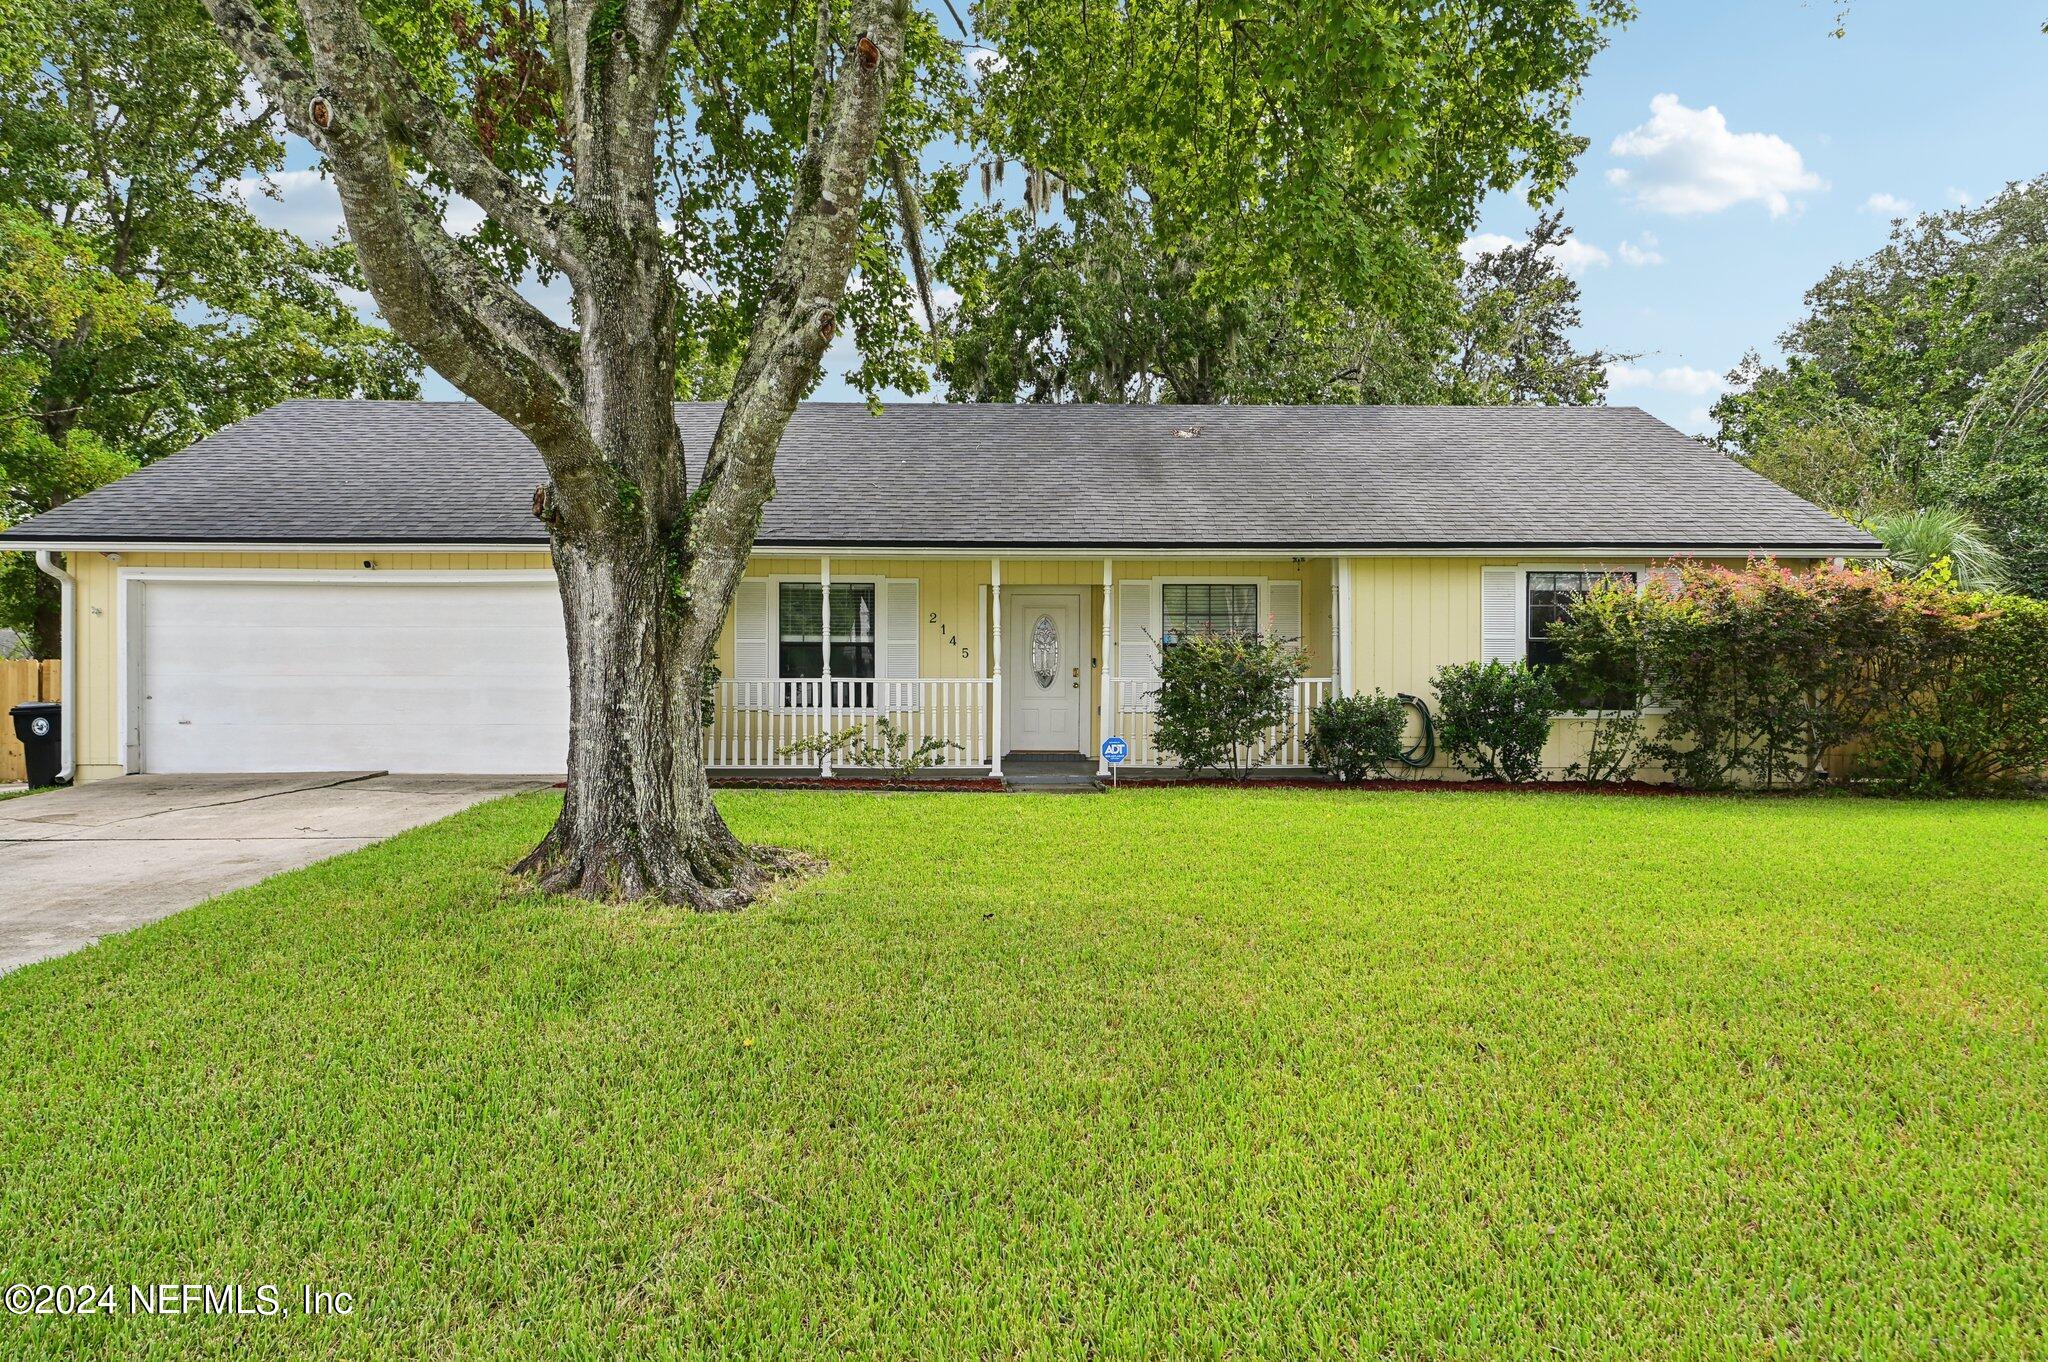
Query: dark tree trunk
46, 630
637, 820
648, 564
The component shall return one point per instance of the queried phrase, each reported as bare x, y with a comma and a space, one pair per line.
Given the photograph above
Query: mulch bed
1630, 787
964, 785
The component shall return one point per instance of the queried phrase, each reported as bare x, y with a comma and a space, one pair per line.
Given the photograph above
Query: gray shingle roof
936, 475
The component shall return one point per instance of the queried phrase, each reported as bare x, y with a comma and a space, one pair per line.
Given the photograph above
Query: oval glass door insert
1045, 652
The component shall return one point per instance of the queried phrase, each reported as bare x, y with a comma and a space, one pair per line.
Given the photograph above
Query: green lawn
1169, 1073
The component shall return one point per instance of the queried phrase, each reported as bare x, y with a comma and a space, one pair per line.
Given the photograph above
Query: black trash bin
40, 726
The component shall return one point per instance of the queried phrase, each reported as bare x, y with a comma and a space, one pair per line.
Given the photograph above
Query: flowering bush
1764, 673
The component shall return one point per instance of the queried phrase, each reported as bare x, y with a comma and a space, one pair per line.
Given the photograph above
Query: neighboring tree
1996, 468
1098, 308
1517, 313
144, 305
1918, 380
1251, 205
701, 177
1920, 542
53, 294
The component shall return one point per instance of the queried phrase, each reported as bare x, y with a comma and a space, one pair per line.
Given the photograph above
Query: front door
1045, 671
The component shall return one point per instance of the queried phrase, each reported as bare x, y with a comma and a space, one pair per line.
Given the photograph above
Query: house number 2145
952, 639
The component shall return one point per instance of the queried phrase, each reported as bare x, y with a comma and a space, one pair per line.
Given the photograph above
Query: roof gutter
67, 686
814, 548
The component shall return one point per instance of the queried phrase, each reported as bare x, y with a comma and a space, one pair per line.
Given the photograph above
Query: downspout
67, 612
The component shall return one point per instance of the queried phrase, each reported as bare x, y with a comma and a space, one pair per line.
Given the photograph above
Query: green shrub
1494, 717
1357, 737
885, 748
1601, 639
1764, 674
1219, 694
1966, 703
1762, 671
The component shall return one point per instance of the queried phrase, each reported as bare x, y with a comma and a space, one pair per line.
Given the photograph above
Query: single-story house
349, 585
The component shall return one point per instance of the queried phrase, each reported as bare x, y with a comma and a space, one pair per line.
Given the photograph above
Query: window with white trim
1551, 596
1208, 608
800, 642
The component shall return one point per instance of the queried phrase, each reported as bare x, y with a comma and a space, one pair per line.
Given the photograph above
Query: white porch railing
1134, 722
756, 721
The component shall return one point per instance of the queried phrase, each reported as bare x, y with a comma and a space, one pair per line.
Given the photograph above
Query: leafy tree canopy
1218, 209
142, 304
1099, 308
1918, 380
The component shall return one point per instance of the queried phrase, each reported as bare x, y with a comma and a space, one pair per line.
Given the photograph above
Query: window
1551, 596
800, 650
1208, 607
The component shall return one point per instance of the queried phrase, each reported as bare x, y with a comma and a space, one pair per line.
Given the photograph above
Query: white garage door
348, 676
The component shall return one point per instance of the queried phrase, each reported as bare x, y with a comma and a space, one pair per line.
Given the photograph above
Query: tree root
705, 879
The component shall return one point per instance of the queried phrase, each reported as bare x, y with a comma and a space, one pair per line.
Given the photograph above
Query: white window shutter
751, 645
1283, 604
1137, 657
899, 643
1501, 615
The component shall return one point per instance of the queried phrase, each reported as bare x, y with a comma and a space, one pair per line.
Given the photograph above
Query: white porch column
825, 627
1340, 629
995, 686
1108, 688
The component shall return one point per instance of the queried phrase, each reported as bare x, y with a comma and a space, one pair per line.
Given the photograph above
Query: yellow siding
1414, 615
1410, 616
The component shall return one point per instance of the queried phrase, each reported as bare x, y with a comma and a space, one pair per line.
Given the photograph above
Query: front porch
1005, 663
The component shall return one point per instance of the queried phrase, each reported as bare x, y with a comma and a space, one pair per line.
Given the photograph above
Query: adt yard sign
1114, 750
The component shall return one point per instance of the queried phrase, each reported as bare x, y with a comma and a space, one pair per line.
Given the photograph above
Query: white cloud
1680, 380
1572, 255
1484, 243
1691, 163
1888, 205
1642, 251
1961, 198
299, 201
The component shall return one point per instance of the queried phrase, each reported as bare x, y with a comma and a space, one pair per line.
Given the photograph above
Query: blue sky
1737, 151
1818, 141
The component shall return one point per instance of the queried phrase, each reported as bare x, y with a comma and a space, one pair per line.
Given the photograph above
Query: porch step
1045, 771
1052, 784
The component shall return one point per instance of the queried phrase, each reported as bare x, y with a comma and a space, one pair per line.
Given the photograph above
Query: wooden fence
21, 682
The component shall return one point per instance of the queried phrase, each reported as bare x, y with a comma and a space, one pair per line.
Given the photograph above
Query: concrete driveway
78, 864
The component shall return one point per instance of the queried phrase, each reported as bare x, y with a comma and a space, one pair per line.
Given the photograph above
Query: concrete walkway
78, 864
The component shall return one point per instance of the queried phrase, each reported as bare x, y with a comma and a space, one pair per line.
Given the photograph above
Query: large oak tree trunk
637, 820
648, 564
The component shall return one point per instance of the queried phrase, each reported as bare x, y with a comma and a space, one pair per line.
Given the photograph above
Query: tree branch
798, 311
424, 124
463, 319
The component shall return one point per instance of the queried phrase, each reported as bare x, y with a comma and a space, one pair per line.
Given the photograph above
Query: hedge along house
337, 585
